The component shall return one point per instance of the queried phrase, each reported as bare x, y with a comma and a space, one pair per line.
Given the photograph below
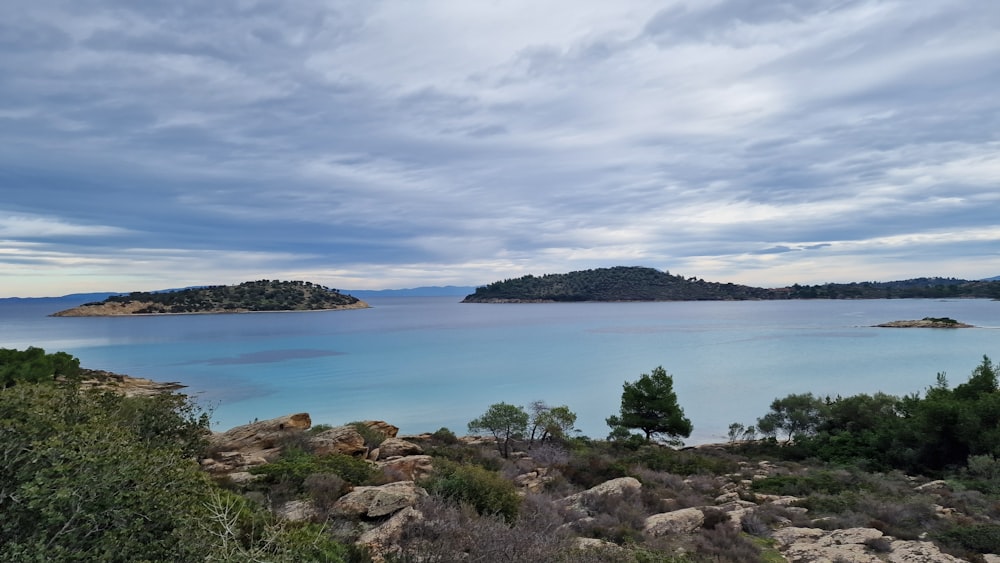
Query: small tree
549, 422
504, 422
650, 405
796, 414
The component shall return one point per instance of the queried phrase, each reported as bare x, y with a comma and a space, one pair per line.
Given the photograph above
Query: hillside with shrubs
632, 283
90, 474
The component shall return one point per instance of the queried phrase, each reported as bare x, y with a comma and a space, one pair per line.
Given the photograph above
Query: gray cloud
393, 145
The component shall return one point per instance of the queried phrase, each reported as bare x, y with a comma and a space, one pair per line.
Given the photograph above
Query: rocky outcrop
858, 545
581, 502
125, 384
253, 444
375, 502
683, 521
396, 447
339, 439
382, 540
407, 468
386, 429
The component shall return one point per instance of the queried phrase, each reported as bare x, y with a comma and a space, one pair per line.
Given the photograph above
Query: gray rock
392, 447
340, 439
683, 521
374, 502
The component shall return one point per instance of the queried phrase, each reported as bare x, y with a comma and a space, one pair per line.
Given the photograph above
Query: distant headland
252, 296
632, 283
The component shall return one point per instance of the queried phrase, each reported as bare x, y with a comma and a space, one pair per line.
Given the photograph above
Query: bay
423, 363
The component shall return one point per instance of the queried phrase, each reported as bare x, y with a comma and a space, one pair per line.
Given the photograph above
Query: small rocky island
926, 322
253, 296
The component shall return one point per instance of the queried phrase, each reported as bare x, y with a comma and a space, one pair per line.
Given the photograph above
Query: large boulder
582, 501
253, 444
393, 447
407, 468
858, 545
262, 435
683, 521
341, 440
374, 502
387, 430
919, 552
382, 540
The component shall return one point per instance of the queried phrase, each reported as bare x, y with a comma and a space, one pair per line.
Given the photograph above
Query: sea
423, 363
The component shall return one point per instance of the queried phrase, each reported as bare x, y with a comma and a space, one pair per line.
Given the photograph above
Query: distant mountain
425, 291
623, 283
994, 278
81, 297
262, 295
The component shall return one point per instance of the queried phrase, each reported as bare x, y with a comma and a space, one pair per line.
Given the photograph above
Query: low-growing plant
295, 466
445, 436
373, 437
724, 544
485, 491
979, 538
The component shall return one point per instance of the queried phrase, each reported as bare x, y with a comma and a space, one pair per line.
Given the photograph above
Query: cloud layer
395, 144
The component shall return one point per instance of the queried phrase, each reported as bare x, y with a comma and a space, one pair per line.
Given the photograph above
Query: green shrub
372, 436
486, 491
296, 465
981, 538
445, 436
823, 481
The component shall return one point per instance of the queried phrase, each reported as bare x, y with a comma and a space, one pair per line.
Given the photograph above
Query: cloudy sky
369, 144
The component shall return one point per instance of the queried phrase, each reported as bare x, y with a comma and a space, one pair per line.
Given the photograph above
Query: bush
288, 474
823, 481
372, 436
980, 538
485, 491
724, 544
445, 436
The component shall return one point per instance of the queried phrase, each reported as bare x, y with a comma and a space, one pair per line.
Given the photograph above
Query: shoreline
73, 312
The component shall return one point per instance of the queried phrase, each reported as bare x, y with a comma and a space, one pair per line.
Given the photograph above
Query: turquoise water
427, 362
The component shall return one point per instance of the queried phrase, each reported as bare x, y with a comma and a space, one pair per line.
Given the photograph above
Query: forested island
261, 295
632, 283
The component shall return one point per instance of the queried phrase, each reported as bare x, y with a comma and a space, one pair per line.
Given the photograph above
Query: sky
372, 145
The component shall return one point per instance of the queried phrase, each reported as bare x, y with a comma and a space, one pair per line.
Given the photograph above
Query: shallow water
427, 362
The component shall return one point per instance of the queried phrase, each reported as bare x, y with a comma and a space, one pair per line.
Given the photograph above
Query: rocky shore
387, 514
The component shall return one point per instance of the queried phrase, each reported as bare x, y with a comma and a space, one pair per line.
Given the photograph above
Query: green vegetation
485, 491
97, 476
926, 288
91, 475
613, 284
549, 423
505, 422
928, 434
623, 283
35, 366
262, 295
650, 404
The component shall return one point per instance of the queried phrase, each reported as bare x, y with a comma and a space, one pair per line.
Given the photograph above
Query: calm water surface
427, 362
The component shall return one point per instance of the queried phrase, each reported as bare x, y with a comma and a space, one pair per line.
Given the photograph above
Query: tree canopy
504, 422
650, 404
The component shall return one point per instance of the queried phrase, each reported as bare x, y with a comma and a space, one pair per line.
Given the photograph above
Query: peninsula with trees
633, 283
252, 296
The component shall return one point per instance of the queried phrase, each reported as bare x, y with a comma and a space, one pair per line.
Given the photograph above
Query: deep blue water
427, 362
